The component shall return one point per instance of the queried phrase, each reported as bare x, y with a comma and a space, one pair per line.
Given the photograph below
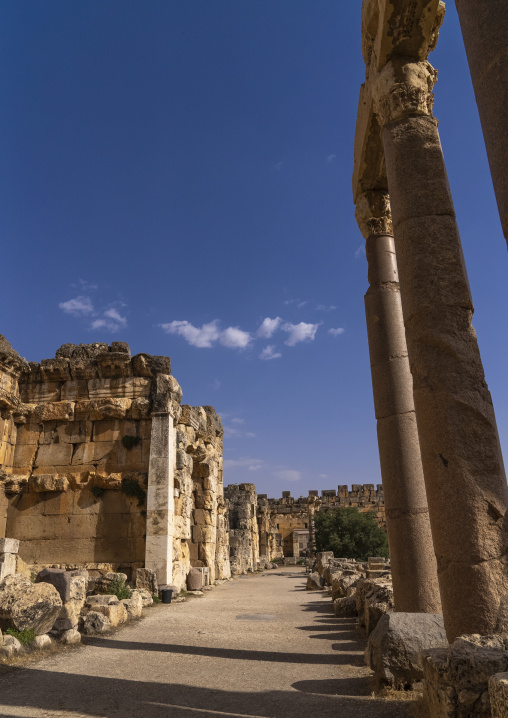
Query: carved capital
404, 89
373, 213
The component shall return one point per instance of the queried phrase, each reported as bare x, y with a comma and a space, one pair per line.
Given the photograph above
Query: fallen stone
9, 545
133, 605
41, 642
59, 578
100, 600
314, 582
95, 622
115, 612
71, 610
456, 679
345, 607
146, 597
340, 585
103, 584
70, 637
196, 593
25, 605
498, 693
10, 646
194, 580
394, 647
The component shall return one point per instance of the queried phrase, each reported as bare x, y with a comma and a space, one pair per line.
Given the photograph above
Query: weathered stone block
498, 692
395, 645
9, 545
54, 455
315, 582
147, 579
48, 482
95, 622
24, 605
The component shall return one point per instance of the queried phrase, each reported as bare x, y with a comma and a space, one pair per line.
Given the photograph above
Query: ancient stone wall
289, 514
101, 467
243, 527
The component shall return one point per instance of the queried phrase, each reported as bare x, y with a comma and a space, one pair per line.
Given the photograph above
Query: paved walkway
258, 646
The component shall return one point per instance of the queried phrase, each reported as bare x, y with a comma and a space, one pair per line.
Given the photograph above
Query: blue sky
177, 175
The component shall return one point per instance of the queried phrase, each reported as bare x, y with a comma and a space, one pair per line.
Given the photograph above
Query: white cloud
300, 305
288, 474
237, 420
269, 353
116, 317
301, 332
336, 332
244, 463
360, 251
268, 327
278, 165
324, 308
235, 338
323, 476
202, 337
330, 158
78, 307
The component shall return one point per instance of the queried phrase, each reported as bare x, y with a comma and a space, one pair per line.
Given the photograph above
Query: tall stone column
414, 571
160, 504
484, 27
461, 455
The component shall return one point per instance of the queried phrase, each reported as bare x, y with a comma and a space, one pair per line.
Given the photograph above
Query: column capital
403, 89
373, 213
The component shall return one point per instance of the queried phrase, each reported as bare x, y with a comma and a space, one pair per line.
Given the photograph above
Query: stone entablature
100, 465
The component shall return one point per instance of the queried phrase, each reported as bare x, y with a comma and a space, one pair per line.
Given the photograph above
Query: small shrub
155, 598
129, 442
131, 488
24, 637
98, 492
120, 590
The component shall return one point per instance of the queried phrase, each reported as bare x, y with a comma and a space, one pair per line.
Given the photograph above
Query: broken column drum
461, 455
412, 556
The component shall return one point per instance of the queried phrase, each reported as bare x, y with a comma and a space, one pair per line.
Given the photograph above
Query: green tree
350, 533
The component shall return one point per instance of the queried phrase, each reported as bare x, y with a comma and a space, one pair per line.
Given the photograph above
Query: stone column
461, 455
414, 571
485, 31
160, 507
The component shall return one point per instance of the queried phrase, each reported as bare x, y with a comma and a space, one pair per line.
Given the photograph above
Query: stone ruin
102, 468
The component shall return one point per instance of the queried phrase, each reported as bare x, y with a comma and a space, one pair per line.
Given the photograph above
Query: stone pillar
414, 571
461, 455
485, 31
160, 507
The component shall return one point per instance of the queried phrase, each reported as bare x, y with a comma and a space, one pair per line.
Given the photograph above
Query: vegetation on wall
129, 442
350, 533
130, 487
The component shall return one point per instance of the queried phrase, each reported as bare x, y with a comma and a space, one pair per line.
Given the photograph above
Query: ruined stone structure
399, 163
243, 527
100, 466
290, 516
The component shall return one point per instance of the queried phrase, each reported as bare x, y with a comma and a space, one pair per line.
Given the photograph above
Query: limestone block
54, 455
41, 392
41, 642
9, 545
147, 579
146, 597
344, 607
55, 411
394, 647
74, 389
59, 578
148, 366
48, 482
140, 409
70, 637
7, 565
28, 434
133, 605
71, 610
102, 409
115, 612
84, 454
125, 387
24, 455
341, 584
203, 534
456, 679
498, 693
100, 600
194, 580
10, 646
24, 605
95, 622
113, 430
315, 582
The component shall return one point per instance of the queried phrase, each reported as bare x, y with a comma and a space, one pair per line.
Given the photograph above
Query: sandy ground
258, 646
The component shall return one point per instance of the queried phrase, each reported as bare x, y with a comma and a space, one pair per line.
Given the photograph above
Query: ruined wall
288, 514
92, 432
200, 537
270, 539
243, 527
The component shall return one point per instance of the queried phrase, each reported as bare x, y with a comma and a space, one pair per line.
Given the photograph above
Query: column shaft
160, 498
412, 556
485, 31
463, 466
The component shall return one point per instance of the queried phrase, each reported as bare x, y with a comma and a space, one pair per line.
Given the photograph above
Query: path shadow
214, 652
55, 693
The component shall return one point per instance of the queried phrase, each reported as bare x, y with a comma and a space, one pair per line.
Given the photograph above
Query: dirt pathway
258, 646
